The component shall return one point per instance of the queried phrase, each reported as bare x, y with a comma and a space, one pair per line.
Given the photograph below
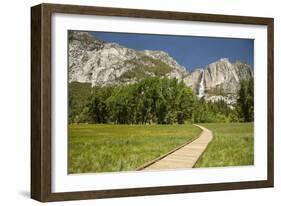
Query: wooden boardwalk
184, 157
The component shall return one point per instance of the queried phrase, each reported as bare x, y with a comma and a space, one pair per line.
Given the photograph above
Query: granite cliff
106, 63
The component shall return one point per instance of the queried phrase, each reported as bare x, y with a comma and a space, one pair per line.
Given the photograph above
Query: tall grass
108, 148
233, 145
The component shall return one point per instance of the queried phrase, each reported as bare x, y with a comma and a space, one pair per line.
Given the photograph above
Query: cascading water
201, 90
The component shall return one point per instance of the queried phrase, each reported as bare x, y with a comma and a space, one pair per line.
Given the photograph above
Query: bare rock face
193, 80
225, 75
218, 78
179, 71
94, 61
103, 63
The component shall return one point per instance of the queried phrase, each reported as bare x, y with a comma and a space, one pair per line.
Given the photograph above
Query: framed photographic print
130, 102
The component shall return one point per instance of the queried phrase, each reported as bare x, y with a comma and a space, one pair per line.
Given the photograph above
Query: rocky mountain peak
107, 63
219, 79
166, 58
103, 63
226, 60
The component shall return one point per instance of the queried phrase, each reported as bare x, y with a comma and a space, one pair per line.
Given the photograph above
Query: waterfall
201, 91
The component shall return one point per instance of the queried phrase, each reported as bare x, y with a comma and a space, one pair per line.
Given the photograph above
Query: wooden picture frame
41, 116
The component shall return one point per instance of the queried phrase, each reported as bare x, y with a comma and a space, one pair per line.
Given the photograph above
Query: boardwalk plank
185, 157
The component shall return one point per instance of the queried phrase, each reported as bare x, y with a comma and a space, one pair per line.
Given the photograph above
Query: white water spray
201, 91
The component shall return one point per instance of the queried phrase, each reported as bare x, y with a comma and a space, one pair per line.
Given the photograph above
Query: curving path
184, 157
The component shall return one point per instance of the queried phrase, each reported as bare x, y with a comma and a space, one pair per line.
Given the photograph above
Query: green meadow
232, 145
113, 147
134, 109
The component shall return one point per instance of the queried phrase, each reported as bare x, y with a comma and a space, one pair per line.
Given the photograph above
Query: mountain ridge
106, 63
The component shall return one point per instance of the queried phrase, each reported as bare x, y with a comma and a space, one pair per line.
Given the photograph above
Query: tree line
154, 101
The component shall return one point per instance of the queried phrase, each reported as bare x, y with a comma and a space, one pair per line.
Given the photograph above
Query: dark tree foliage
78, 94
217, 111
245, 102
154, 101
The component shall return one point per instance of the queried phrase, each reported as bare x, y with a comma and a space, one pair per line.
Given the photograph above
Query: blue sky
189, 51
